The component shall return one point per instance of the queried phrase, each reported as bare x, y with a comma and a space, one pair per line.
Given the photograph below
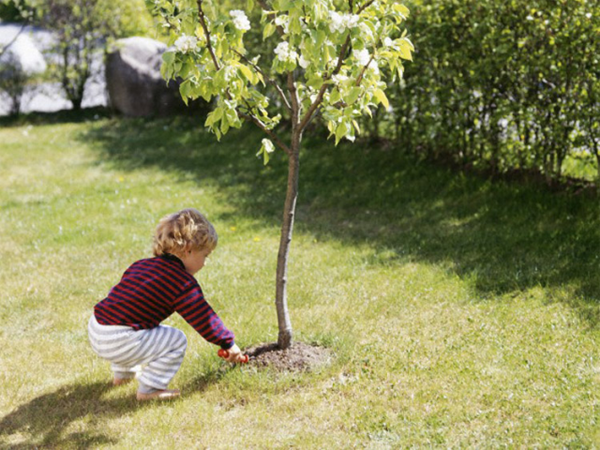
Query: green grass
461, 313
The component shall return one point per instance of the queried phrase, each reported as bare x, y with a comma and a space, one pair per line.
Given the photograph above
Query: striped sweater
153, 289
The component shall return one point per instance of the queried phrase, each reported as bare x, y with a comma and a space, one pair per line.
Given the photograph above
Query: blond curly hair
185, 230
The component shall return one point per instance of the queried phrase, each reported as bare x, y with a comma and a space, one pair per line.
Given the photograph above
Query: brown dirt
299, 357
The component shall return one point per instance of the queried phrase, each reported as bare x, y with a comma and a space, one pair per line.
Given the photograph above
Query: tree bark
285, 327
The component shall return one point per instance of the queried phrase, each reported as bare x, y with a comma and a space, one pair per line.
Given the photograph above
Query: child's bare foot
167, 394
121, 381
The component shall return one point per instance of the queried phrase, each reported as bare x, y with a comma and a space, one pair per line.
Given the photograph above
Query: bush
502, 85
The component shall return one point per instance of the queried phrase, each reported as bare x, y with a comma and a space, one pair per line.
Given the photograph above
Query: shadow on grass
44, 420
53, 118
501, 237
68, 417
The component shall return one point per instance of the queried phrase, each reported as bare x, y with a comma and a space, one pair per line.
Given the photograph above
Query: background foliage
502, 85
82, 30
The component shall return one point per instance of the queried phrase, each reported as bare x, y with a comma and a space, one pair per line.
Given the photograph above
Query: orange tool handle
225, 354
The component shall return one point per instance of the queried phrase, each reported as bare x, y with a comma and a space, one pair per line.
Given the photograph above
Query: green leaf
185, 89
335, 96
381, 97
168, 57
266, 148
406, 48
269, 30
352, 95
402, 10
248, 73
341, 131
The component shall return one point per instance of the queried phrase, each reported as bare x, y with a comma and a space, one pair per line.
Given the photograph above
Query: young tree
327, 59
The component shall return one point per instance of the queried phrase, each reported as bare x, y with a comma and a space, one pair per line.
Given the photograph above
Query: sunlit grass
460, 313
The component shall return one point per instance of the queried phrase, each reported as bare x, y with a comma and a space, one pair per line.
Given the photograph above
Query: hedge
503, 85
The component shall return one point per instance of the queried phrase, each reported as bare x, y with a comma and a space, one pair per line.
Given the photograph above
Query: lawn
459, 312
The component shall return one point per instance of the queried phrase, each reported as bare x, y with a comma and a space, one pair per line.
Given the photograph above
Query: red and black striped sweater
153, 289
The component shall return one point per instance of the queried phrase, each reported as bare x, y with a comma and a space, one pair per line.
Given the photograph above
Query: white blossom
229, 72
303, 62
373, 68
186, 44
387, 42
284, 22
362, 56
366, 30
284, 53
339, 78
340, 22
588, 15
351, 20
336, 23
240, 20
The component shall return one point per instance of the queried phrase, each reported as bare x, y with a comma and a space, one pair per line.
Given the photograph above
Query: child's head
185, 230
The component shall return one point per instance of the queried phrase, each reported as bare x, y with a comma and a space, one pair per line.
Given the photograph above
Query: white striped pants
160, 350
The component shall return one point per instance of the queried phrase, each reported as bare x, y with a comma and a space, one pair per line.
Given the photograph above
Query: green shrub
502, 84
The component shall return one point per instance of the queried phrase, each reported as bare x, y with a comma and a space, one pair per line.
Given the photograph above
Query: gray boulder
135, 86
23, 55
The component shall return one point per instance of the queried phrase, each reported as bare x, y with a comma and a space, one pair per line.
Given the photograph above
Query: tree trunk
285, 327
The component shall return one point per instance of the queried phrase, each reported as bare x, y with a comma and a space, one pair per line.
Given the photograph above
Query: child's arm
234, 354
196, 311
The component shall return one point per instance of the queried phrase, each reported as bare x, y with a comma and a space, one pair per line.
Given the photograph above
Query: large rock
21, 55
135, 86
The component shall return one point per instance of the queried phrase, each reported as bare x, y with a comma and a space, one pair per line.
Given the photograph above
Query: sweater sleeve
196, 311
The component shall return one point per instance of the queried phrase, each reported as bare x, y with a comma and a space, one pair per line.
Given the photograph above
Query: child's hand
233, 354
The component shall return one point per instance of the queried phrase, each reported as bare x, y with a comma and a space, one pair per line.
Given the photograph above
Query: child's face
194, 260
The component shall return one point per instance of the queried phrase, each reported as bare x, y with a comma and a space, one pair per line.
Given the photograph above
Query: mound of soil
299, 357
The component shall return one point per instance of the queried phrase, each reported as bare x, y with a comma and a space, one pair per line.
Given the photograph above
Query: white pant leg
162, 349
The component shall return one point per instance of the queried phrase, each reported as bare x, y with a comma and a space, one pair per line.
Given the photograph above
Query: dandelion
240, 20
186, 44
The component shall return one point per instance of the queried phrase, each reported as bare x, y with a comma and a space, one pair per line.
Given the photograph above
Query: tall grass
460, 312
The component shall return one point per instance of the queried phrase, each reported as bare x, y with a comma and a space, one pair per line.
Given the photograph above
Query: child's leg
122, 373
166, 346
161, 348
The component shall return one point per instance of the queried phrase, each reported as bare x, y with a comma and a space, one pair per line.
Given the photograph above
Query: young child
125, 327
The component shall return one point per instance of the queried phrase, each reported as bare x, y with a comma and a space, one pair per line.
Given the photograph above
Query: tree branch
365, 6
313, 107
269, 79
13, 40
362, 72
263, 4
252, 118
207, 34
291, 84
